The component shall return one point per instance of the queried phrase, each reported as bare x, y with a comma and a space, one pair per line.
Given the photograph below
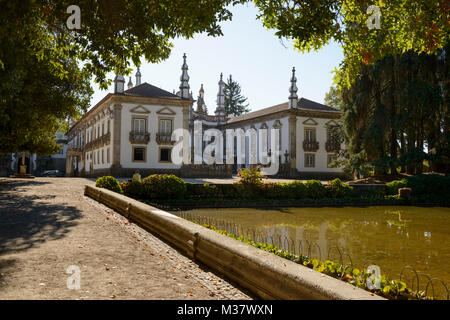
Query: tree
396, 111
45, 67
333, 98
234, 101
421, 26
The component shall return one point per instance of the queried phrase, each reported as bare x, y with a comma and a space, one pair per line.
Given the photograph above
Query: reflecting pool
389, 237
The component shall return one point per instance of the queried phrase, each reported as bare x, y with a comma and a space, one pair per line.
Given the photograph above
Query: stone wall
264, 274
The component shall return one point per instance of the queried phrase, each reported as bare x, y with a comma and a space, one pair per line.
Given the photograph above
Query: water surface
389, 237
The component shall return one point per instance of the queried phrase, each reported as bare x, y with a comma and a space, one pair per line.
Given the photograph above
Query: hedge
109, 183
422, 185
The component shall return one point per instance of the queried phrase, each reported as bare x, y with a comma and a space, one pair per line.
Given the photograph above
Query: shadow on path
28, 220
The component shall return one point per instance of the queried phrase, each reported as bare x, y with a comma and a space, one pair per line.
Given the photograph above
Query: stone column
68, 165
186, 145
293, 141
117, 121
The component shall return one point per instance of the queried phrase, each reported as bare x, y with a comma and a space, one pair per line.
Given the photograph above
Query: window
164, 155
310, 135
103, 158
139, 154
165, 126
139, 125
107, 155
98, 156
331, 158
309, 160
103, 128
108, 126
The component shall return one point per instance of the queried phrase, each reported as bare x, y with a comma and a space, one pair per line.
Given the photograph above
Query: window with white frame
309, 160
139, 125
165, 126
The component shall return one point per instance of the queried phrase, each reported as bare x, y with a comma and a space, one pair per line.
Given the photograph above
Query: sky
253, 55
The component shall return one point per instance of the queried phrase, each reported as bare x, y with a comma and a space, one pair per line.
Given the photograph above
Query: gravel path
47, 225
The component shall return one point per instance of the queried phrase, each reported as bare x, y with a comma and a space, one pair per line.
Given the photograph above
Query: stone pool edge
264, 274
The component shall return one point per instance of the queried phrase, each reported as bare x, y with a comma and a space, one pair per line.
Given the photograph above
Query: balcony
106, 138
332, 146
310, 146
164, 138
139, 137
78, 148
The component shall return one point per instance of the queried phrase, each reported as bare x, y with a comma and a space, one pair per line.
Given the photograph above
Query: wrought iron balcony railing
139, 137
311, 146
164, 138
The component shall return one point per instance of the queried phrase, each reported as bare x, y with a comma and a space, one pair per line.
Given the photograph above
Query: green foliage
337, 189
234, 100
333, 98
164, 187
171, 190
315, 189
396, 108
393, 186
391, 289
428, 185
110, 183
252, 177
416, 25
46, 68
133, 189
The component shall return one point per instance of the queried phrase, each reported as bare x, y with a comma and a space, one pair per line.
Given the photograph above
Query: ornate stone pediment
331, 123
166, 111
139, 109
310, 122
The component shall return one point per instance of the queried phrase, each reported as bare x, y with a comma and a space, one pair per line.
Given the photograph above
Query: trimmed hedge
422, 185
110, 183
158, 187
430, 189
163, 187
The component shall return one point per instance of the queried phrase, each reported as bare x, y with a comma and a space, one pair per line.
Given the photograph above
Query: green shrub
337, 189
110, 183
247, 191
272, 190
163, 187
422, 184
251, 177
433, 184
298, 189
289, 190
134, 189
315, 189
393, 186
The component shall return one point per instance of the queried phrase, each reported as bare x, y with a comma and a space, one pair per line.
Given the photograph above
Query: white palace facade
131, 130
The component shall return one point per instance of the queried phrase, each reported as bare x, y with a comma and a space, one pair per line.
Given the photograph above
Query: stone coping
264, 274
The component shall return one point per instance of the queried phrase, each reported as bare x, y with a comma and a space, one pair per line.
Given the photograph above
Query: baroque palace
131, 130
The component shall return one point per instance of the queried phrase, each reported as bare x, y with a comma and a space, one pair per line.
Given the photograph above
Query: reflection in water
386, 236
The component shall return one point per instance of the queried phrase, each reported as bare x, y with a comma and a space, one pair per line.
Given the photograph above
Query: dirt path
47, 225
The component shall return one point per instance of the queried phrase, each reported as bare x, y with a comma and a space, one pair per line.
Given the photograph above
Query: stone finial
138, 77
293, 98
201, 107
130, 84
184, 86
